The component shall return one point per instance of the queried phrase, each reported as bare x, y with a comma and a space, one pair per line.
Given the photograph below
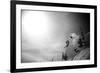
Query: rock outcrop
83, 54
80, 46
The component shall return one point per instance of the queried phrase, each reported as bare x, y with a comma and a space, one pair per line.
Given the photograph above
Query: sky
44, 33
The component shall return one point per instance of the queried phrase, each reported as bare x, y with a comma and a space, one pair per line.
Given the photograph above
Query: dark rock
83, 55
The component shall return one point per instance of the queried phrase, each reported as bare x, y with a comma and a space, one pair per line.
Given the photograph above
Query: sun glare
35, 23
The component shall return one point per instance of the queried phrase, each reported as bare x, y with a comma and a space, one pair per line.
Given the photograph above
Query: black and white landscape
54, 36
